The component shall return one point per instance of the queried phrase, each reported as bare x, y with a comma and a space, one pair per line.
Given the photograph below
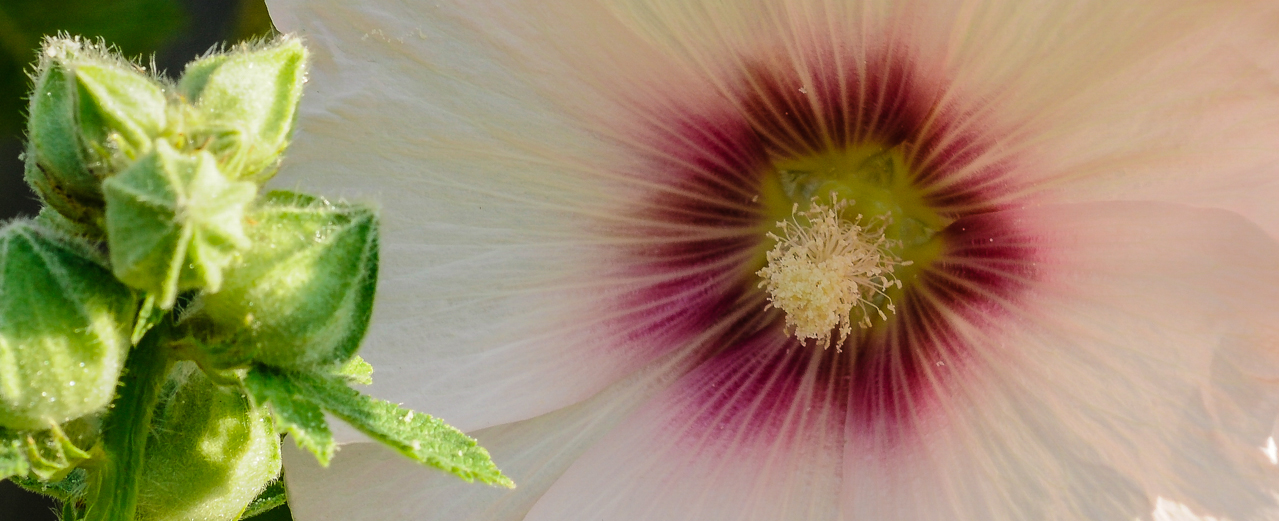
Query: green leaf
70, 511
53, 220
52, 454
148, 317
53, 132
121, 110
293, 412
56, 166
421, 437
271, 498
92, 113
174, 222
356, 371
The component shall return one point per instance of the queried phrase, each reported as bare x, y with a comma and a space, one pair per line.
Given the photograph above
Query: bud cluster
152, 216
163, 321
165, 172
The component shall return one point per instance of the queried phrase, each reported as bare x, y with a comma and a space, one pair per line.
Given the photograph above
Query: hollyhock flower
1027, 267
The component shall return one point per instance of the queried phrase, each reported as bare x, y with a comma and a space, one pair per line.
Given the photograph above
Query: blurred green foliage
253, 21
137, 27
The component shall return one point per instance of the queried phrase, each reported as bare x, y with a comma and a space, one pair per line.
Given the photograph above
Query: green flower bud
303, 294
56, 166
91, 114
246, 104
208, 453
174, 222
64, 328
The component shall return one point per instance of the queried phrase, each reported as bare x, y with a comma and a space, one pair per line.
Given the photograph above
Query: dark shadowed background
173, 31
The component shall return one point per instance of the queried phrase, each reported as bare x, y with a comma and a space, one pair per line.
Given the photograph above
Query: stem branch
124, 434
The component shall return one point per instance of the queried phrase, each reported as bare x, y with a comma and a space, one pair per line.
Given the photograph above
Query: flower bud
56, 166
208, 453
64, 328
174, 222
302, 295
246, 104
91, 114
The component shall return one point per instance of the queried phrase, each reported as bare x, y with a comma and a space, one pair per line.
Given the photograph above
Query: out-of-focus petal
1166, 510
1143, 366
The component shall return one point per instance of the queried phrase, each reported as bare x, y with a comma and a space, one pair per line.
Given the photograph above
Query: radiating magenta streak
886, 380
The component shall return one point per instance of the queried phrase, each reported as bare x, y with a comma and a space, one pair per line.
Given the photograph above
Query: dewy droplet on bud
63, 318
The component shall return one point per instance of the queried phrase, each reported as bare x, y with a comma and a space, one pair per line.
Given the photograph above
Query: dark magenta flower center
880, 134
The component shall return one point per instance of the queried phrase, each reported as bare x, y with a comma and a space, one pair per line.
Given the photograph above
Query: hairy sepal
175, 222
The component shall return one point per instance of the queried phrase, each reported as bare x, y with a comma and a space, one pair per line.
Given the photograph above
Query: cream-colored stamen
821, 272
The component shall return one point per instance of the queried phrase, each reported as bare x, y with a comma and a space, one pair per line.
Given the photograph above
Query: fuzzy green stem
124, 435
69, 511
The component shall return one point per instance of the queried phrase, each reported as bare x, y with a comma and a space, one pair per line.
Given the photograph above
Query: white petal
499, 297
753, 433
1141, 366
1166, 510
492, 137
1087, 100
366, 481
498, 137
1095, 101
